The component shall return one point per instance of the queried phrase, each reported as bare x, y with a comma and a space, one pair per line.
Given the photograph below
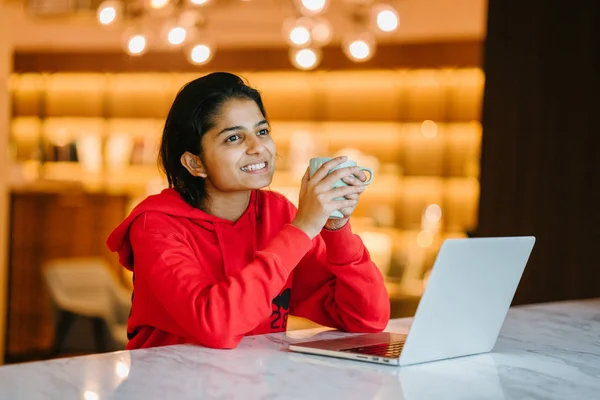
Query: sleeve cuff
342, 245
291, 245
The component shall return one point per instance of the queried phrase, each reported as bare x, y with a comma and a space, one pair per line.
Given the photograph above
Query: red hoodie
209, 281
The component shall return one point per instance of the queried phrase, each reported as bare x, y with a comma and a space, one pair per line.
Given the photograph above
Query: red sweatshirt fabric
205, 280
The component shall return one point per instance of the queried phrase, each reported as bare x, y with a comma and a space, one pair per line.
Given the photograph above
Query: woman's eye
233, 138
263, 132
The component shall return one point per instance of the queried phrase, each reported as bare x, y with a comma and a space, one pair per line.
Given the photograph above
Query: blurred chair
85, 288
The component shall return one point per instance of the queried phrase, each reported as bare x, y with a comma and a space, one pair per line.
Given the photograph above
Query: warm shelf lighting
429, 129
433, 213
425, 239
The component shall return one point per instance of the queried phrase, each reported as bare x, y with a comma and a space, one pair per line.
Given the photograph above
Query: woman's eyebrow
238, 127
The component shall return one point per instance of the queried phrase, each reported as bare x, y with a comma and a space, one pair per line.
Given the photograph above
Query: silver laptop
469, 292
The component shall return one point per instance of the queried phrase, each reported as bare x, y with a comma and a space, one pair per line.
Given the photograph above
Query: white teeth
254, 167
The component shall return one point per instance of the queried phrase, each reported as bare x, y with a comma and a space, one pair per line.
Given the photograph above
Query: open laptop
461, 312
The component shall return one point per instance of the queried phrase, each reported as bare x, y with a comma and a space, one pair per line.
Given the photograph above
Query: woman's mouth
256, 168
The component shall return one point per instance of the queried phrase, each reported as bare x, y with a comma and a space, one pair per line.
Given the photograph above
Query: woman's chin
259, 182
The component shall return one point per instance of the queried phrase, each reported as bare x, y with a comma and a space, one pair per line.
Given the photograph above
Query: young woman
215, 258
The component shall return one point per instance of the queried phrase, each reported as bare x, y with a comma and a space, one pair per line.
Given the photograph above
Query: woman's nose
255, 145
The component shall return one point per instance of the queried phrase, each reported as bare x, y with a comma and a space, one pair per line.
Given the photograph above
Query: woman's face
238, 153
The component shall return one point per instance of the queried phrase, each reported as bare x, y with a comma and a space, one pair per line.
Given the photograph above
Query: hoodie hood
170, 202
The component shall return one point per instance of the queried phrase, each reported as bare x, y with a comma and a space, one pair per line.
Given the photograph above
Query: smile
255, 168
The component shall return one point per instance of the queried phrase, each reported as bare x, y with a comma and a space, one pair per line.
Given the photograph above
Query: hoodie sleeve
219, 314
337, 285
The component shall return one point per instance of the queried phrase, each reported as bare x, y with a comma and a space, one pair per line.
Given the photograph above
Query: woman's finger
337, 175
353, 196
352, 180
342, 204
362, 177
343, 191
324, 170
347, 212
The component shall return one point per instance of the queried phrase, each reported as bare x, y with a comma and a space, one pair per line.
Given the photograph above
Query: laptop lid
466, 300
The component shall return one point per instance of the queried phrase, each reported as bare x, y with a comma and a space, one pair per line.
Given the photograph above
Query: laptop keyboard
389, 350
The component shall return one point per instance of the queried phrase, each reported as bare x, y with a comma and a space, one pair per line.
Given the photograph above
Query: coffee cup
316, 163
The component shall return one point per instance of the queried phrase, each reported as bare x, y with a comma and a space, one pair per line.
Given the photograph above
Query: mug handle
370, 171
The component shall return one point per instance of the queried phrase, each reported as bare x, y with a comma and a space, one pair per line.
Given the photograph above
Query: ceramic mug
316, 163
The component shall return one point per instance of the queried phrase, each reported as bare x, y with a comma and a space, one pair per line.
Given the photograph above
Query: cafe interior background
473, 125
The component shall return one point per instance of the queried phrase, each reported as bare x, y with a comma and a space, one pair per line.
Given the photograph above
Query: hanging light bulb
312, 7
108, 12
199, 2
176, 35
158, 4
298, 31
305, 59
300, 35
200, 53
385, 17
136, 44
360, 48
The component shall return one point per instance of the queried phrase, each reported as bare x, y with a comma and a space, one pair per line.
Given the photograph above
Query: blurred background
476, 118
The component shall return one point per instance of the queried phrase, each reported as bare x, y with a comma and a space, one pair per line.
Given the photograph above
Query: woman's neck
229, 206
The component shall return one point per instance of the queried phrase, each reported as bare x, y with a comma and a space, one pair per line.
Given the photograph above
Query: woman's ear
193, 164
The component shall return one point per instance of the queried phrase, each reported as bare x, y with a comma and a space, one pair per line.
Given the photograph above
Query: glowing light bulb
360, 48
314, 6
299, 35
200, 54
305, 58
387, 19
158, 4
107, 15
108, 12
177, 35
136, 45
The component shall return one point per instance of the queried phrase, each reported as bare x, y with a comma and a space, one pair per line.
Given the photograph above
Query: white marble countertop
546, 351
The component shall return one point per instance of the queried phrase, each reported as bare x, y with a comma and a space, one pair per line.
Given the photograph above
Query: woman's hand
357, 180
317, 197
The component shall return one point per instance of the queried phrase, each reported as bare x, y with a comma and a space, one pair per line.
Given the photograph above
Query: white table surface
546, 351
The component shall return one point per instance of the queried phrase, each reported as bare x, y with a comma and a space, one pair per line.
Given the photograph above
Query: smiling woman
214, 255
